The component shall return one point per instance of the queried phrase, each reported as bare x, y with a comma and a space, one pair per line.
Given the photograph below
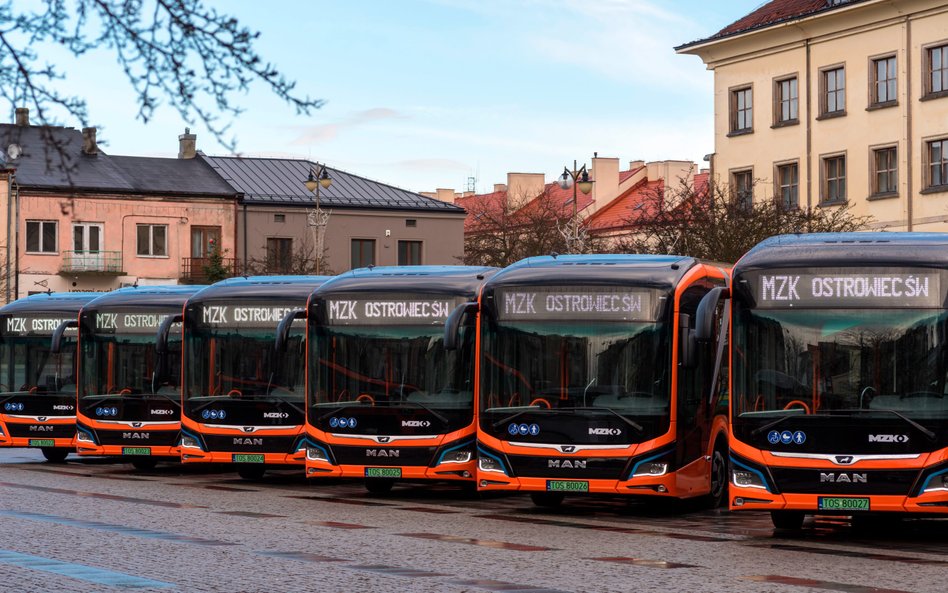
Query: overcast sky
427, 93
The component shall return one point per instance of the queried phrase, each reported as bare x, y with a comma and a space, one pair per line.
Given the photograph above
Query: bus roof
612, 269
52, 302
847, 250
436, 279
145, 296
261, 287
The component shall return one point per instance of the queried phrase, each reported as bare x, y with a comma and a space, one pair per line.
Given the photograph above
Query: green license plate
567, 486
383, 472
247, 458
42, 443
842, 504
136, 450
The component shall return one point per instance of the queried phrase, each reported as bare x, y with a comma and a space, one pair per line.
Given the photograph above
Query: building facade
830, 103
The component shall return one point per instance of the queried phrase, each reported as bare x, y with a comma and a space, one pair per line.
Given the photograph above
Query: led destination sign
599, 303
128, 323
848, 289
415, 310
244, 315
35, 325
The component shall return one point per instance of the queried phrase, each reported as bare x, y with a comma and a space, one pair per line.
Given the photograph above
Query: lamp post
578, 178
318, 178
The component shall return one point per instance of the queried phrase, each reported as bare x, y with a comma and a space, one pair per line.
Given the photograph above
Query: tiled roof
274, 181
624, 175
773, 13
639, 200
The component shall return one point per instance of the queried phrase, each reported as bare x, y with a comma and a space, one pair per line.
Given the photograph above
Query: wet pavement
97, 525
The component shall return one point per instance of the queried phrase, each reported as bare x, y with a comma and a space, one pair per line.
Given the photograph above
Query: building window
936, 79
279, 255
153, 240
884, 87
937, 154
788, 186
786, 101
885, 170
411, 222
363, 253
409, 253
742, 188
834, 91
742, 110
279, 218
41, 236
834, 179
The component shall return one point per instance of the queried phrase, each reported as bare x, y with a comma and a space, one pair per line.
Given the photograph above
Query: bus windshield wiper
438, 415
790, 414
612, 411
931, 435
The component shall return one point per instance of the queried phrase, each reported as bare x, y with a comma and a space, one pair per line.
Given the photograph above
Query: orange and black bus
590, 380
387, 401
839, 376
127, 406
37, 386
242, 402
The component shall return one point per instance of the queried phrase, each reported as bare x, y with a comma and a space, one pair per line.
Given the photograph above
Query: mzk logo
605, 432
382, 452
843, 478
888, 438
276, 415
566, 463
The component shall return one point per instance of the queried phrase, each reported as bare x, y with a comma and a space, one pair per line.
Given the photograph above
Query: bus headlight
84, 437
316, 454
937, 483
489, 464
650, 469
189, 442
747, 479
459, 456
1, 431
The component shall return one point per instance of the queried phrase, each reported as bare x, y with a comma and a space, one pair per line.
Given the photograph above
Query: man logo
383, 439
843, 478
135, 436
249, 429
568, 448
382, 453
137, 424
248, 441
566, 464
844, 459
888, 438
40, 428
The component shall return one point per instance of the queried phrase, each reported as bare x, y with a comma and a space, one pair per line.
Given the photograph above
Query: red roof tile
638, 200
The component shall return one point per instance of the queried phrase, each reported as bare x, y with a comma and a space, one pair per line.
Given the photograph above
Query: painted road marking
156, 503
646, 562
815, 584
90, 574
477, 542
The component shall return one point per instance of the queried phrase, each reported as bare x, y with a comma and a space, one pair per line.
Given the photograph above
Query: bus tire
720, 473
788, 520
547, 500
379, 485
251, 471
144, 463
54, 454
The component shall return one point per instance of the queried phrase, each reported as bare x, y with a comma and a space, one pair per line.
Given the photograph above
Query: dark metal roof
619, 270
261, 287
847, 250
170, 297
53, 159
55, 302
460, 280
271, 181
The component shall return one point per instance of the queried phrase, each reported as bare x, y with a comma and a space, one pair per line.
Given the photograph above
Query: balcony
101, 263
197, 270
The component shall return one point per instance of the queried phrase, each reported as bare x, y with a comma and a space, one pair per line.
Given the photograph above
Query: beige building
823, 103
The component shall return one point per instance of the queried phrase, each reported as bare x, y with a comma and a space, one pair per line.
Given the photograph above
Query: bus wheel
251, 471
719, 478
144, 464
787, 520
379, 485
549, 500
54, 455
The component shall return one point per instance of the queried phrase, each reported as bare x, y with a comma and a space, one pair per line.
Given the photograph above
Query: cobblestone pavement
93, 525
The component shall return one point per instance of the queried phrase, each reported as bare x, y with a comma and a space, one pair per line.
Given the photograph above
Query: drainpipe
13, 196
245, 236
909, 206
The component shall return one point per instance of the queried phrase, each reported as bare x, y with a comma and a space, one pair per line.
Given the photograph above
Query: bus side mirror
283, 329
161, 349
56, 345
452, 326
686, 341
704, 324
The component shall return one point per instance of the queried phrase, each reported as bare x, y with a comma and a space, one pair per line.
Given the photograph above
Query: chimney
445, 195
633, 165
523, 187
187, 145
673, 172
89, 146
22, 116
605, 173
498, 187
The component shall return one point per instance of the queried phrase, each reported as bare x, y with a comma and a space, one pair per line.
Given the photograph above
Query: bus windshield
223, 362
124, 364
621, 367
28, 365
393, 365
813, 361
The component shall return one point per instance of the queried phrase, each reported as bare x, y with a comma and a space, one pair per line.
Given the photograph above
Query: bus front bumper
754, 499
446, 471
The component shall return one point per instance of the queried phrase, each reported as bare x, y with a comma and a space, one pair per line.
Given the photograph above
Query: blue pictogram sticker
534, 429
773, 437
352, 422
512, 429
786, 437
333, 422
524, 429
799, 437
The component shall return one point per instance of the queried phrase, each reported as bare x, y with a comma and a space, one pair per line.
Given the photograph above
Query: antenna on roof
471, 185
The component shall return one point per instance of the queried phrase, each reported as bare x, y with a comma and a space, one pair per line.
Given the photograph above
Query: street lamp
318, 178
578, 178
